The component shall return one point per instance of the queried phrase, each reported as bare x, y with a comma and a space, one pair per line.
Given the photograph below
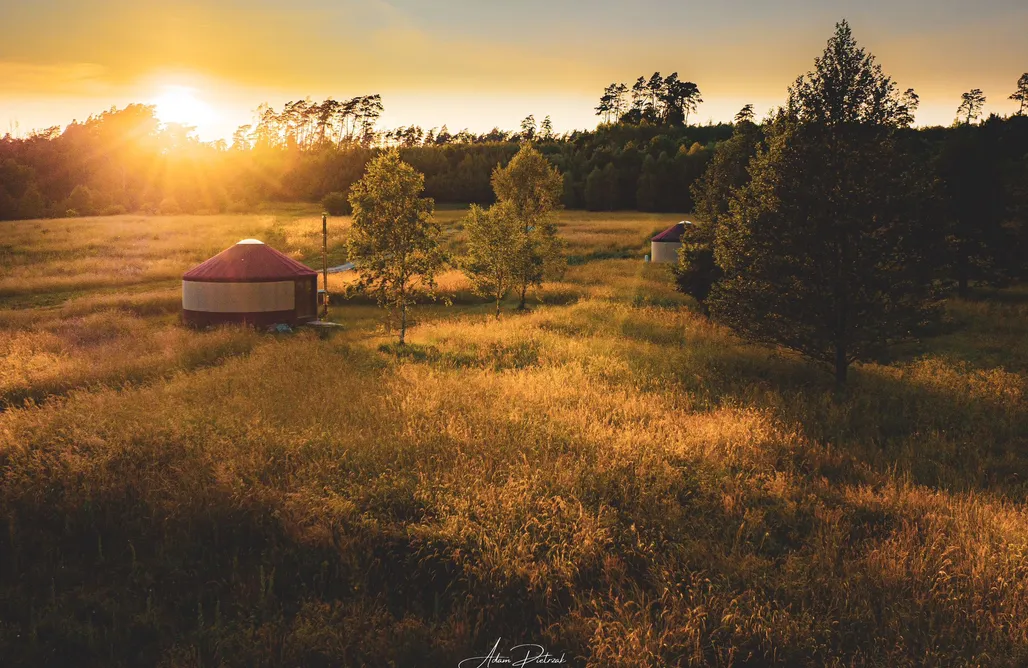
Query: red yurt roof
249, 261
673, 233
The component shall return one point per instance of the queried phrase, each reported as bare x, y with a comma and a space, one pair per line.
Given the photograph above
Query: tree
336, 204
745, 114
971, 104
546, 129
696, 271
826, 250
618, 107
647, 192
691, 100
640, 93
495, 241
612, 102
971, 171
603, 109
726, 173
31, 204
530, 188
1021, 94
654, 95
528, 127
81, 201
601, 188
394, 239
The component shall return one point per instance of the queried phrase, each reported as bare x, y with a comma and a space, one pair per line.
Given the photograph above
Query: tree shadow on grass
117, 580
944, 425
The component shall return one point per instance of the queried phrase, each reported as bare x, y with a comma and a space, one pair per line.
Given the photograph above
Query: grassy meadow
607, 474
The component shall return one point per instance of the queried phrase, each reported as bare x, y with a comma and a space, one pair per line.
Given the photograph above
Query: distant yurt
249, 283
664, 247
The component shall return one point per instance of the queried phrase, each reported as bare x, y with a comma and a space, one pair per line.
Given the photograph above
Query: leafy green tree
601, 188
81, 201
971, 104
726, 173
31, 204
825, 250
973, 174
394, 241
336, 204
647, 194
1021, 94
696, 271
531, 188
495, 243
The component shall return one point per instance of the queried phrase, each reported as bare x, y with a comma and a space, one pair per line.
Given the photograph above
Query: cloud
56, 78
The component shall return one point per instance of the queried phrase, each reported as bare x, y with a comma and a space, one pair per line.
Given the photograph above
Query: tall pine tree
826, 250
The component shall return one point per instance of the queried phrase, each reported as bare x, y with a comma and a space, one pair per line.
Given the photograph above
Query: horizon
473, 65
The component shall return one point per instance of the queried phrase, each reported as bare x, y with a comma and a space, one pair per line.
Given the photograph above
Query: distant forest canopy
644, 155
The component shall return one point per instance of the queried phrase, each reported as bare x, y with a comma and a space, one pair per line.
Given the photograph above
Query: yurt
249, 283
664, 247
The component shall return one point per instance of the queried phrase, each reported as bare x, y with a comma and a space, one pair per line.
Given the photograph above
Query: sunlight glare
179, 104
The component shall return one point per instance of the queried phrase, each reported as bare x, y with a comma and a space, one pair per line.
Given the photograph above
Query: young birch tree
495, 239
394, 239
530, 187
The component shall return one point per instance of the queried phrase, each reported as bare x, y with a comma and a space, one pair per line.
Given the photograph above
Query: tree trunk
524, 290
841, 365
497, 306
963, 262
403, 322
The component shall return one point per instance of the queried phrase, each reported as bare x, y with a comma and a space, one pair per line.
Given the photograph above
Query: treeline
646, 157
127, 161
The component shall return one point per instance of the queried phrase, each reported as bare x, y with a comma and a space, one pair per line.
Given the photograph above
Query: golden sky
479, 63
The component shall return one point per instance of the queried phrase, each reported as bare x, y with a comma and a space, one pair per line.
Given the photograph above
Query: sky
477, 63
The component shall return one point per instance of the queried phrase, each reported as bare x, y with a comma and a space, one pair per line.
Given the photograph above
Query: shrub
170, 207
81, 200
337, 204
31, 204
113, 210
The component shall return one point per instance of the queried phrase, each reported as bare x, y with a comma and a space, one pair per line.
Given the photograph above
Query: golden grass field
608, 474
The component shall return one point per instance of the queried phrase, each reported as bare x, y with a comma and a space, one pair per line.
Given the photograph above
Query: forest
643, 156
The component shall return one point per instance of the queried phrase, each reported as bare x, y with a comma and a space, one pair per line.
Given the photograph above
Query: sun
179, 104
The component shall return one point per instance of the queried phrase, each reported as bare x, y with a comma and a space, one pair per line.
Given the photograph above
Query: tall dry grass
608, 474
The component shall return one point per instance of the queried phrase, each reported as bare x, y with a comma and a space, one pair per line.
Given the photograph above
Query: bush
71, 213
31, 204
81, 200
169, 207
113, 210
337, 204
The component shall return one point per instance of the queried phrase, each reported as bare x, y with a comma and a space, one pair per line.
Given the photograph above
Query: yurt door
306, 298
